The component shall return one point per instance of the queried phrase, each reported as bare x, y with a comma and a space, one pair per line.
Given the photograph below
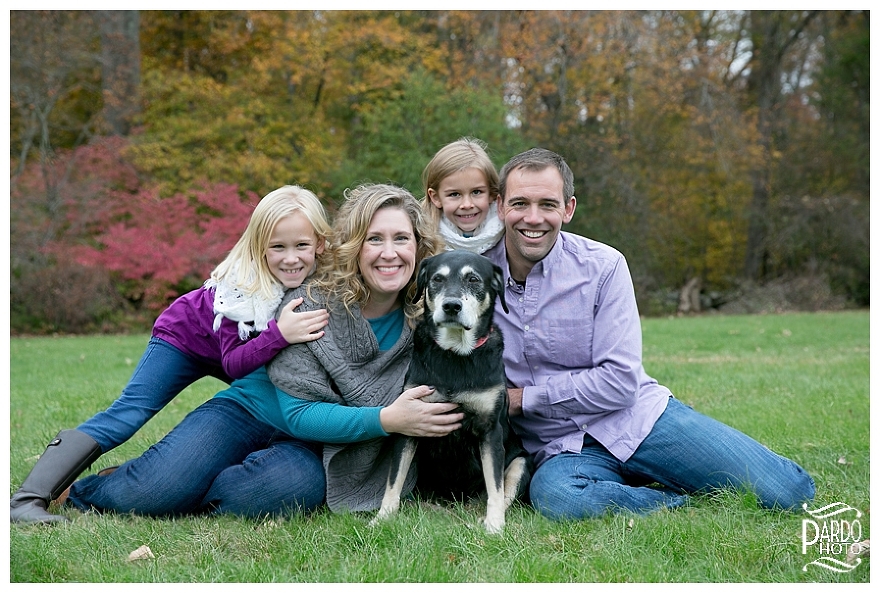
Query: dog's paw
382, 515
494, 527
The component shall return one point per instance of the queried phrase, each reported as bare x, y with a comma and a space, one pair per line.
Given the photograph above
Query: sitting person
602, 431
461, 186
224, 329
252, 450
380, 237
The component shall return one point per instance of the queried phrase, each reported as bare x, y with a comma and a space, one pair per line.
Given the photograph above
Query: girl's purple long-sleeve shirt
187, 324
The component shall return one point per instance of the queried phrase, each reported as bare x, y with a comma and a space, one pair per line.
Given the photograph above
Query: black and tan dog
458, 350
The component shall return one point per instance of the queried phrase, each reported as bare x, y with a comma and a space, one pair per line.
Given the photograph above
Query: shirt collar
542, 267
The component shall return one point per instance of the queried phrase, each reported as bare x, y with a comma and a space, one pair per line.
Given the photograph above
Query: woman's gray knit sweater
346, 367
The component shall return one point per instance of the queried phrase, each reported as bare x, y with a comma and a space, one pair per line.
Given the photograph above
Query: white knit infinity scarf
485, 236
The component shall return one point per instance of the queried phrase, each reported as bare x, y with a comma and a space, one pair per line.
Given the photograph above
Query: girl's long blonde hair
456, 156
246, 264
342, 279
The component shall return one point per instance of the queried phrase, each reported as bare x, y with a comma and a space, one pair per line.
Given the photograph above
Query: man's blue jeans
218, 459
685, 453
162, 373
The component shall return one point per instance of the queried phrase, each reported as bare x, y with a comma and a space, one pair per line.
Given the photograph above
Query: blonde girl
225, 329
461, 186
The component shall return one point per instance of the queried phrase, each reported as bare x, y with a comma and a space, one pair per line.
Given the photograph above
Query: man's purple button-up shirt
573, 342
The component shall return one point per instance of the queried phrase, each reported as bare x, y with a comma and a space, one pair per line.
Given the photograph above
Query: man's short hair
538, 159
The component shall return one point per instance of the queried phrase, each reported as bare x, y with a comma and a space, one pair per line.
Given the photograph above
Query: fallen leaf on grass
842, 461
858, 549
142, 553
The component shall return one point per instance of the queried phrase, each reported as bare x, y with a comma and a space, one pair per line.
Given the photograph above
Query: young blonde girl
461, 186
225, 329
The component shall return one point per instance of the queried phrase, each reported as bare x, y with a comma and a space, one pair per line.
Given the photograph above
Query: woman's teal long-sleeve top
322, 422
307, 420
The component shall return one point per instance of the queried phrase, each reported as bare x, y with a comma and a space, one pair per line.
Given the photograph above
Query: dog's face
460, 289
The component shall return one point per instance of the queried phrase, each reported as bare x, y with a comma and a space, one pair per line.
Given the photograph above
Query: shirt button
526, 327
520, 299
583, 427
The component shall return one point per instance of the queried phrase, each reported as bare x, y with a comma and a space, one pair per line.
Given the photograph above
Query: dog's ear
422, 279
498, 285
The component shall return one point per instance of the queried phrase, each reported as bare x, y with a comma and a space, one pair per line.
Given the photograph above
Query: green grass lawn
799, 383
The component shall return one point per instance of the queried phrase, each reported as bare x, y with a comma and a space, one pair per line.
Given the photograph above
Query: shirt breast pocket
569, 342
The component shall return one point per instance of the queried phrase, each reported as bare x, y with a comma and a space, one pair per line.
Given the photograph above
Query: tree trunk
764, 86
121, 68
772, 34
689, 298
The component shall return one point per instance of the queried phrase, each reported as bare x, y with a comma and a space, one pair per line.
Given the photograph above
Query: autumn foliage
107, 230
721, 149
160, 246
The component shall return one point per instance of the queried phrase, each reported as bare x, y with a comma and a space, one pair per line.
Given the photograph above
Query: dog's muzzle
450, 314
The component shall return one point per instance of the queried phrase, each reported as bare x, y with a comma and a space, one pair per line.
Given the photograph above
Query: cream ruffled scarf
485, 236
252, 312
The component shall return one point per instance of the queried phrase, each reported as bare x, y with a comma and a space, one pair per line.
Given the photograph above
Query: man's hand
514, 398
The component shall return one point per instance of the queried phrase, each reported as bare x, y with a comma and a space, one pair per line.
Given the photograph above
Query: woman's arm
326, 422
335, 423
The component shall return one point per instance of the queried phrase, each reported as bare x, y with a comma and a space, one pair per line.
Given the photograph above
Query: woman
235, 454
380, 236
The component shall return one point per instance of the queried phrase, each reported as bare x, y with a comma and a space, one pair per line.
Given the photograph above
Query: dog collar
483, 340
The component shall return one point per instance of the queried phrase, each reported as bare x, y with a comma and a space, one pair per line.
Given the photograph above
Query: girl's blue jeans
219, 459
685, 453
162, 373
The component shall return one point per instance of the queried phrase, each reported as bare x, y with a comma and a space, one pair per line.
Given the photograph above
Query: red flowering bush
160, 247
88, 209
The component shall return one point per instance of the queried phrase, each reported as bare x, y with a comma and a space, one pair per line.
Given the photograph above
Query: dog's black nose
452, 307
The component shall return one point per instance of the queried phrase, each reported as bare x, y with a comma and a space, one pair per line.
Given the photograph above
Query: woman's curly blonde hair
340, 276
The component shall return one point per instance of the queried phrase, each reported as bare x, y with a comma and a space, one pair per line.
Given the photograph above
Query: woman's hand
306, 326
413, 417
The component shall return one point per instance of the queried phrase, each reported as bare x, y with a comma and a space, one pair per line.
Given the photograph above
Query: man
604, 434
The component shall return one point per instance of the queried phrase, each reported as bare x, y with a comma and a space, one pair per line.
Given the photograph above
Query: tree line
720, 151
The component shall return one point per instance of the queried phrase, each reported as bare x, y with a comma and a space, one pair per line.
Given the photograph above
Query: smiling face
533, 210
292, 249
387, 259
464, 198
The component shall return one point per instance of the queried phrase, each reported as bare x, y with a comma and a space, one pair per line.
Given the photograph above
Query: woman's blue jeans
218, 459
685, 453
162, 373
